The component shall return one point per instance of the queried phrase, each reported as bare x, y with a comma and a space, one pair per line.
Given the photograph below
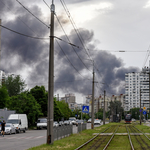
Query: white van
41, 123
19, 121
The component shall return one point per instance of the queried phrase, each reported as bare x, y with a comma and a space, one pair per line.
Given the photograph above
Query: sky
104, 28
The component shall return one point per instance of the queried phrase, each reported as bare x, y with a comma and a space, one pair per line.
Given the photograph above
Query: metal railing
62, 131
82, 127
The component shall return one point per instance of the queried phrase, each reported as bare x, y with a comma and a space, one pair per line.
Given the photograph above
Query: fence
62, 131
82, 127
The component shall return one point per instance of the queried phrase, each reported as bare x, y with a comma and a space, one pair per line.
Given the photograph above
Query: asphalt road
31, 138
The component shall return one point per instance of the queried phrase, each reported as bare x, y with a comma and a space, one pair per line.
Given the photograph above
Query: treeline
32, 102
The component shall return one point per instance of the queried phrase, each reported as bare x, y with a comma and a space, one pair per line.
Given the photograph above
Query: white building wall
133, 83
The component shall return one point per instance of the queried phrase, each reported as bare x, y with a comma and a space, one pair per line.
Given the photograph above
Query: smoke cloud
29, 57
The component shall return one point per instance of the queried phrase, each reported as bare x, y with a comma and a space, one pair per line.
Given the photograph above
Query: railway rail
139, 136
99, 141
102, 140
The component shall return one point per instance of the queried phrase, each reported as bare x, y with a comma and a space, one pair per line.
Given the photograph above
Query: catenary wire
70, 42
18, 17
74, 26
68, 59
32, 14
24, 34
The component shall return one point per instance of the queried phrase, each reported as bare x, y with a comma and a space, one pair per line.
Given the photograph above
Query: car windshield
14, 121
42, 120
71, 119
7, 125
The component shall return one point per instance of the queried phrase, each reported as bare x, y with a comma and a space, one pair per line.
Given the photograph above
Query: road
31, 138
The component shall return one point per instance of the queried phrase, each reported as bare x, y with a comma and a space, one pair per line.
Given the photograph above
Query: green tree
14, 84
58, 113
41, 96
64, 108
3, 96
99, 114
135, 112
115, 108
26, 104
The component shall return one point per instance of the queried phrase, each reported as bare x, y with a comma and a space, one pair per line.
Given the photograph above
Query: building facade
136, 86
2, 77
70, 99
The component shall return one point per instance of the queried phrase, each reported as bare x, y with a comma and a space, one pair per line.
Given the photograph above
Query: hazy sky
106, 27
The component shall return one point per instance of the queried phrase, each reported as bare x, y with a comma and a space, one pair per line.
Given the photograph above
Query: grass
76, 140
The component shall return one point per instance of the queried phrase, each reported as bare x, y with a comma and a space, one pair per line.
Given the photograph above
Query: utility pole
0, 44
140, 107
104, 109
92, 121
50, 109
98, 106
149, 88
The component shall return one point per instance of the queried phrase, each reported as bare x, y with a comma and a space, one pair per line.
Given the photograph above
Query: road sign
140, 110
144, 112
85, 109
144, 108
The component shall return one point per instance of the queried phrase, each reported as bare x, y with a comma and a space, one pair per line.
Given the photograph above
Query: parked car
70, 122
55, 124
89, 121
41, 123
97, 121
133, 119
66, 122
73, 120
9, 128
61, 123
80, 121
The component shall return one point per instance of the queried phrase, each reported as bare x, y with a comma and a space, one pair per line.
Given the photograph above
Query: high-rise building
2, 77
134, 83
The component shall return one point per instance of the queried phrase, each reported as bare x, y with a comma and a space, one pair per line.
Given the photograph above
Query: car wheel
24, 131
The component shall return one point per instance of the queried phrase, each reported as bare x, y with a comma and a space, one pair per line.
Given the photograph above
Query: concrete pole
50, 109
92, 121
0, 44
149, 88
140, 107
104, 109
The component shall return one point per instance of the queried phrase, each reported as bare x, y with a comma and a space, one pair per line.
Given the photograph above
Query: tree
3, 96
26, 104
14, 84
115, 108
41, 96
64, 108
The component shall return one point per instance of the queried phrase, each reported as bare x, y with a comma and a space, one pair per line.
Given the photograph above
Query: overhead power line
32, 14
24, 34
68, 59
70, 42
74, 26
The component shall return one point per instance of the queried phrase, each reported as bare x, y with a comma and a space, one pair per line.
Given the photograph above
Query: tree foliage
64, 109
26, 104
3, 96
41, 96
14, 84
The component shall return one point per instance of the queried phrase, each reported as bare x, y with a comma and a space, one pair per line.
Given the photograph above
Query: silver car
9, 128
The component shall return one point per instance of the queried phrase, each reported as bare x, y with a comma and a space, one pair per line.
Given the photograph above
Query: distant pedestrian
3, 124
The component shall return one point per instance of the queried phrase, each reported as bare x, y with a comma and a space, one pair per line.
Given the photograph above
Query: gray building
4, 113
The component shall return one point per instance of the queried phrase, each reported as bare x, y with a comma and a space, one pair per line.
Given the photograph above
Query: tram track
139, 138
98, 141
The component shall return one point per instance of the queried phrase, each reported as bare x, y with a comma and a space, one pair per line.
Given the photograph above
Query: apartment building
134, 83
70, 99
2, 77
